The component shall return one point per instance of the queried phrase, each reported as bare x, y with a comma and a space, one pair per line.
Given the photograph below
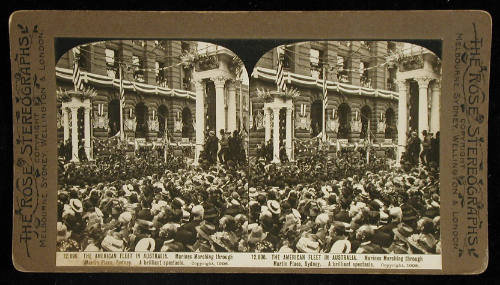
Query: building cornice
308, 81
67, 74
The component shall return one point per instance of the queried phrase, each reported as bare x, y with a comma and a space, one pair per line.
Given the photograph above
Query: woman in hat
257, 241
400, 244
424, 241
204, 241
64, 242
226, 239
365, 234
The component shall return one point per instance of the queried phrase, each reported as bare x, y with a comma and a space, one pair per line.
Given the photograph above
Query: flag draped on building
77, 75
325, 104
280, 76
122, 102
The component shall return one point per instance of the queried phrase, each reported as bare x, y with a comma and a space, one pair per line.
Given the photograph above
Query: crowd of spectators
340, 203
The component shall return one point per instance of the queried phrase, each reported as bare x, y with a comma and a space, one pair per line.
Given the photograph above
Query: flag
325, 103
280, 76
325, 90
122, 103
77, 76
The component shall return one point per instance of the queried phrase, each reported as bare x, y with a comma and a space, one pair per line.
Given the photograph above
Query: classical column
220, 117
276, 135
423, 108
86, 129
74, 134
65, 123
402, 118
289, 133
267, 124
231, 108
435, 107
200, 119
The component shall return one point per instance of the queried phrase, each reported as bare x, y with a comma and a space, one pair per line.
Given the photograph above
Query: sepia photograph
152, 147
344, 149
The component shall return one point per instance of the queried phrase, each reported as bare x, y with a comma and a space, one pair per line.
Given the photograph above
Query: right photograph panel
344, 149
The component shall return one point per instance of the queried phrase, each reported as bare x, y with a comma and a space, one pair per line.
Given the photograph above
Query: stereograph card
262, 142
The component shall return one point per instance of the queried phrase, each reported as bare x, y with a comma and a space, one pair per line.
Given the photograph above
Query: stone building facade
363, 83
159, 89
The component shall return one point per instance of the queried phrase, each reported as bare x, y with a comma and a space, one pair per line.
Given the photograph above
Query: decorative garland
411, 62
86, 93
268, 96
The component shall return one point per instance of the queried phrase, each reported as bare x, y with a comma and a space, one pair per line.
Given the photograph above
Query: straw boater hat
76, 205
285, 249
321, 219
403, 232
205, 230
274, 207
307, 245
341, 246
424, 243
110, 243
145, 244
257, 234
198, 211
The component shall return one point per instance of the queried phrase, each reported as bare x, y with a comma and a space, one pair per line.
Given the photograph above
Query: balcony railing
365, 81
343, 76
391, 85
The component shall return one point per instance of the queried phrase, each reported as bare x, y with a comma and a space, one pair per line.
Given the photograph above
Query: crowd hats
145, 244
110, 243
424, 243
322, 219
396, 213
307, 244
409, 213
198, 211
403, 232
341, 246
62, 232
340, 228
205, 230
210, 212
76, 205
274, 207
257, 234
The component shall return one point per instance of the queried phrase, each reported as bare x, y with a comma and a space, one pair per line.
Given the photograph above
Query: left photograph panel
152, 147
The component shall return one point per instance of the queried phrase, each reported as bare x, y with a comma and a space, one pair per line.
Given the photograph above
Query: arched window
344, 112
390, 124
114, 117
316, 117
162, 121
187, 123
210, 105
366, 114
141, 113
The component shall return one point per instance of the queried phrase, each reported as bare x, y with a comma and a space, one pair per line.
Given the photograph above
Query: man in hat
204, 242
413, 148
365, 234
426, 148
211, 147
196, 218
400, 244
338, 241
224, 145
